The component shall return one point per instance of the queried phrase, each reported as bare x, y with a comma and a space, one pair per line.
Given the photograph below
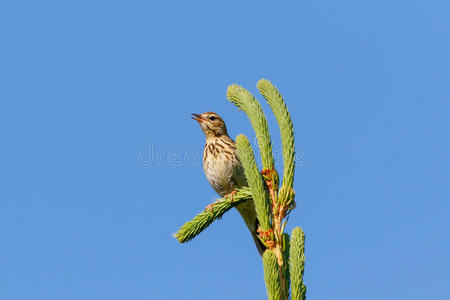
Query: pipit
224, 170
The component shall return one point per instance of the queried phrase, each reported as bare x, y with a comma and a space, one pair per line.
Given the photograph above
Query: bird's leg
209, 206
231, 195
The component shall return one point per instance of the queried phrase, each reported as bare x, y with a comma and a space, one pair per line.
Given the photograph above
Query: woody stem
277, 212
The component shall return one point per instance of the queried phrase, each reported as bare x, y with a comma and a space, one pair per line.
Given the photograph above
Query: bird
224, 170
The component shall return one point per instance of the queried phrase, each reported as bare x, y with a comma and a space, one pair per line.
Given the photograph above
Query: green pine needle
201, 221
279, 108
286, 245
272, 275
245, 101
254, 180
297, 264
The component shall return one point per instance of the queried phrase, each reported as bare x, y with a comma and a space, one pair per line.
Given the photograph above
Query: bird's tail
247, 211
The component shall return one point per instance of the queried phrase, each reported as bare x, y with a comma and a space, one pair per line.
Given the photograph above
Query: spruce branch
254, 181
279, 108
271, 275
245, 101
297, 264
284, 259
200, 222
303, 291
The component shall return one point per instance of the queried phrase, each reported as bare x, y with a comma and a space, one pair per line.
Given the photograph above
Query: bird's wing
238, 176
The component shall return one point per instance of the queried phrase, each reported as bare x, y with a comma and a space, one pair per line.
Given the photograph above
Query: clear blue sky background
86, 86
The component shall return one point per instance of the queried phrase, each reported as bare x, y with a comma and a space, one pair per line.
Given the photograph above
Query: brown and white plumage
223, 169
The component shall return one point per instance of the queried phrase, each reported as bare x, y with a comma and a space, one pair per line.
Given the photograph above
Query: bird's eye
212, 118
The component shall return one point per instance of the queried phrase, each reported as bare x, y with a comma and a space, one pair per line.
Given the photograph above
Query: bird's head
211, 124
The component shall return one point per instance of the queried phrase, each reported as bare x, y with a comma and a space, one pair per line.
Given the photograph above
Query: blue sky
87, 87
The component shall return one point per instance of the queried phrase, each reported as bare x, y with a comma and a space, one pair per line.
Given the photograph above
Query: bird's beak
198, 118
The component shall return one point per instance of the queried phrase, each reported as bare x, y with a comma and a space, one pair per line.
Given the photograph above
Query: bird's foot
210, 206
231, 195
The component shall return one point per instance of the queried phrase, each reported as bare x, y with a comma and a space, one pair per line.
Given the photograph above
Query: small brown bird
224, 170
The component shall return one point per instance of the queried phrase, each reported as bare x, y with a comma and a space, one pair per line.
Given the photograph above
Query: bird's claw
231, 195
210, 206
